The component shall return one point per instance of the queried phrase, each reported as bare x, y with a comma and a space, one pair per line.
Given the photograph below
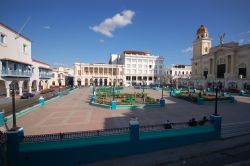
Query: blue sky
68, 31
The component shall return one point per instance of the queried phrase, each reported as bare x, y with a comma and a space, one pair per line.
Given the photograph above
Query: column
30, 85
20, 84
37, 85
7, 86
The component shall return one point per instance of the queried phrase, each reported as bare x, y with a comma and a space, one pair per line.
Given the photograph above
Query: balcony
45, 75
16, 73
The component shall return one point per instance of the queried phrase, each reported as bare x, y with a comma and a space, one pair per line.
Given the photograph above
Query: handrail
73, 135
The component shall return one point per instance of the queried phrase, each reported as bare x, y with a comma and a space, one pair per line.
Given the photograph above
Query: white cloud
109, 25
47, 27
101, 40
241, 41
187, 50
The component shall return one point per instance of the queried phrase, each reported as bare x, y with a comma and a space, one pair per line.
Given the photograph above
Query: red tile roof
2, 24
135, 52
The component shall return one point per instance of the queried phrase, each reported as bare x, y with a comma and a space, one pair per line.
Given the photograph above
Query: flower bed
194, 96
125, 99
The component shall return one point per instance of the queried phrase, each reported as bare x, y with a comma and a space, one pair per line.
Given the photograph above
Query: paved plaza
74, 113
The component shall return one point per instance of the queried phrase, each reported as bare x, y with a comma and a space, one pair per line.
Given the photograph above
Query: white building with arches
100, 74
227, 64
16, 64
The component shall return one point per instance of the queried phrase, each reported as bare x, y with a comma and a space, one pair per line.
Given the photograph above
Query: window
139, 71
145, 72
133, 71
134, 60
150, 66
206, 49
128, 65
145, 66
128, 71
25, 48
150, 78
160, 66
2, 38
150, 72
139, 66
128, 78
133, 65
139, 60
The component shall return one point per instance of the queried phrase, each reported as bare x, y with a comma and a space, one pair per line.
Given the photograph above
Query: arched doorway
34, 86
86, 82
79, 82
91, 81
40, 85
105, 82
15, 83
2, 88
100, 82
25, 86
96, 82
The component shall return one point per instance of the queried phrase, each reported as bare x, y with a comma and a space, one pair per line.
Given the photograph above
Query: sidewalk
233, 151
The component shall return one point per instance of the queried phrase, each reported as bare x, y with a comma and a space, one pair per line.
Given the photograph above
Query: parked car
27, 95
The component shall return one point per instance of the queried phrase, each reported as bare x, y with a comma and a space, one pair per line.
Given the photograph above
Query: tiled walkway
73, 113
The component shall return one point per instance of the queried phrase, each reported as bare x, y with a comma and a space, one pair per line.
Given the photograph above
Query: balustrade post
134, 130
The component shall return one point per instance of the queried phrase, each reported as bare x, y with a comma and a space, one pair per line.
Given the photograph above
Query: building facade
99, 74
181, 73
16, 65
141, 67
62, 76
41, 76
226, 64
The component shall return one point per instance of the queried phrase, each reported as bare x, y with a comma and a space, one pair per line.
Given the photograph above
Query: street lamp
114, 89
162, 89
216, 101
13, 106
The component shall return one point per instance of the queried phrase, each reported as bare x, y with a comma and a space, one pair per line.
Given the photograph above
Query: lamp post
114, 90
216, 101
162, 89
13, 106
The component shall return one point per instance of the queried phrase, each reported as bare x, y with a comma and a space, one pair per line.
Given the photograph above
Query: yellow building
227, 64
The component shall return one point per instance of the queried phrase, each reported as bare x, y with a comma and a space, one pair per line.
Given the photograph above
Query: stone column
7, 86
20, 84
37, 85
30, 85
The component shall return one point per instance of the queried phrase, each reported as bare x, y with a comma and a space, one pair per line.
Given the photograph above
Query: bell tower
202, 43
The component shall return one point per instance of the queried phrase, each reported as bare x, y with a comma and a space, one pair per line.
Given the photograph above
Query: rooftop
5, 26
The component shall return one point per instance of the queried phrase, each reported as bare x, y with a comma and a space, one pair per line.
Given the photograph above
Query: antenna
22, 28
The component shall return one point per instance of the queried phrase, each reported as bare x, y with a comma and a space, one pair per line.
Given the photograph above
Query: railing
104, 132
45, 76
159, 127
74, 135
16, 73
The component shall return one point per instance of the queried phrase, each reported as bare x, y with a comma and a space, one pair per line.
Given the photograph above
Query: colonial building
41, 76
226, 64
178, 72
62, 76
16, 65
99, 74
141, 67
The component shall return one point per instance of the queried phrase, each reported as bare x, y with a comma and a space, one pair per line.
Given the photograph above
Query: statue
221, 37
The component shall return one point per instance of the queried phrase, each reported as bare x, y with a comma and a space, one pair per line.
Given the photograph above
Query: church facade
227, 65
